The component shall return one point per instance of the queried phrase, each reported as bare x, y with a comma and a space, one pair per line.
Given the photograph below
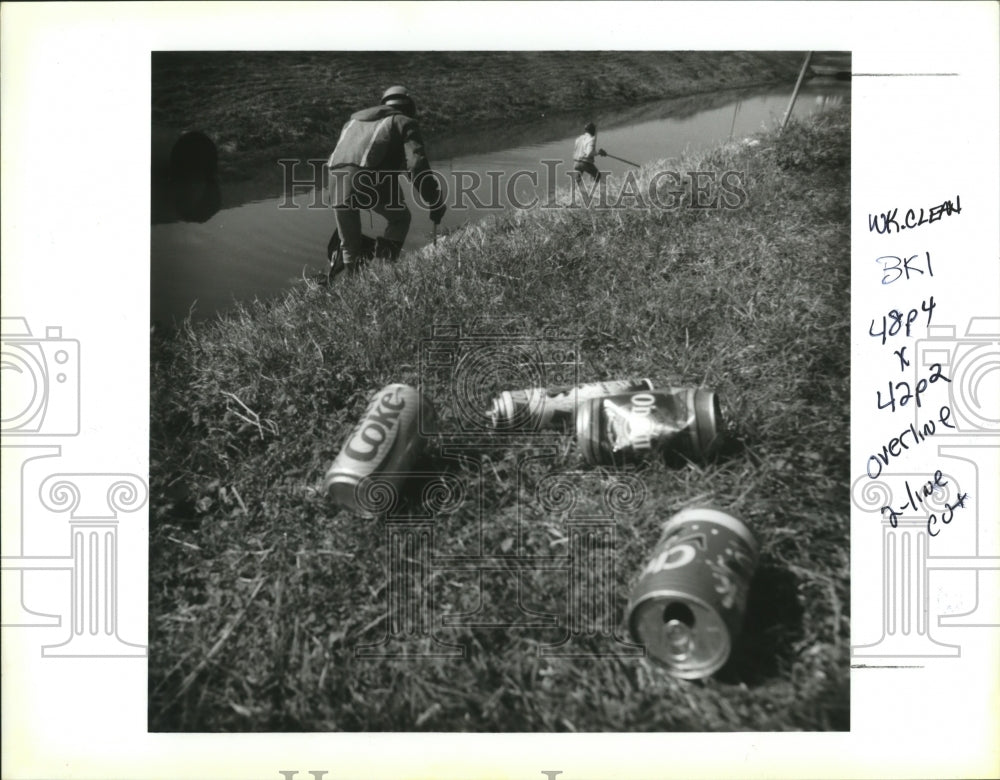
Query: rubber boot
387, 249
336, 265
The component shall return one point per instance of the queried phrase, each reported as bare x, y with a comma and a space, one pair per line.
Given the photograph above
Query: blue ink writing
928, 489
916, 500
947, 515
904, 387
896, 324
891, 263
897, 443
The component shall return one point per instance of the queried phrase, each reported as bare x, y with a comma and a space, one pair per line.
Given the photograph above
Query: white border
75, 243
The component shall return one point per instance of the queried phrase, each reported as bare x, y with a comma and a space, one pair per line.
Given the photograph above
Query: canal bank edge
259, 107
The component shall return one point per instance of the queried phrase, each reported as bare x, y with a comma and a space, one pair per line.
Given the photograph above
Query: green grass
261, 590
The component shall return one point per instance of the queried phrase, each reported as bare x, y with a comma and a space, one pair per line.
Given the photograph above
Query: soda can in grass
387, 440
629, 427
688, 605
552, 407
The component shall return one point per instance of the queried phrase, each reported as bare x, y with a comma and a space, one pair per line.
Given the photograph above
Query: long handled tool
622, 159
795, 92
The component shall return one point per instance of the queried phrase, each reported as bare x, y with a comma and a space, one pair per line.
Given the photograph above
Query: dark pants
585, 166
378, 193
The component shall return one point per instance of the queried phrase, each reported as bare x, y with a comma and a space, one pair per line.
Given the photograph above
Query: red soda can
687, 607
387, 440
627, 428
553, 407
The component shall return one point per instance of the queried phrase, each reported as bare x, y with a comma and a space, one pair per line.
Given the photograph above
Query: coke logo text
377, 428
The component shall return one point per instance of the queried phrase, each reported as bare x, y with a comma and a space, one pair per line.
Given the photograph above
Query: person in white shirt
583, 154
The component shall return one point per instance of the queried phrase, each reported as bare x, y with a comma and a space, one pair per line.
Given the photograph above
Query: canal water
259, 248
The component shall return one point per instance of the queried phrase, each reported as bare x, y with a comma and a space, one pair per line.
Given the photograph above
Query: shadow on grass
772, 625
724, 449
432, 486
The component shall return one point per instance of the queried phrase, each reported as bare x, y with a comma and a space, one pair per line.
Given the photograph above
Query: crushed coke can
687, 607
629, 427
387, 440
553, 407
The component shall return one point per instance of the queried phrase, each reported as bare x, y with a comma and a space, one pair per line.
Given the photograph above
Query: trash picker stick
622, 159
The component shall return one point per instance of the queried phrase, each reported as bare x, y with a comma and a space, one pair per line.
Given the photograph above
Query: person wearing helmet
583, 154
375, 146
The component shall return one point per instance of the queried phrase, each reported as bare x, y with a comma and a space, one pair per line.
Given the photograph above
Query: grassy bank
261, 591
262, 106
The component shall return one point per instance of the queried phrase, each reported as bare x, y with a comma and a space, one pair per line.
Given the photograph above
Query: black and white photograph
500, 390
489, 391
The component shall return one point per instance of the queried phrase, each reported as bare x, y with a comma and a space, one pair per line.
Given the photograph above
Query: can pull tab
678, 628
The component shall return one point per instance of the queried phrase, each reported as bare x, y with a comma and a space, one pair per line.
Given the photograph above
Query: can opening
679, 611
678, 622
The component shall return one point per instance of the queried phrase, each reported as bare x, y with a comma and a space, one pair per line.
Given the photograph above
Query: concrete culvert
194, 163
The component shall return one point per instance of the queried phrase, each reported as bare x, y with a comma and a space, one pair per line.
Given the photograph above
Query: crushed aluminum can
387, 440
689, 602
627, 428
553, 407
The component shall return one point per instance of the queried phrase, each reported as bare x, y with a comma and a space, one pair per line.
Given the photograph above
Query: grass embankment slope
262, 106
261, 591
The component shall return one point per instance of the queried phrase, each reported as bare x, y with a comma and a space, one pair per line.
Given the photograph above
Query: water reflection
543, 129
256, 249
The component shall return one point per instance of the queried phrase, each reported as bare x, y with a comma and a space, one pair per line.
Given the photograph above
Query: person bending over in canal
583, 154
376, 145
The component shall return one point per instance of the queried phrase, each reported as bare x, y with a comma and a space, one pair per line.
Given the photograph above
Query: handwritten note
890, 219
918, 392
